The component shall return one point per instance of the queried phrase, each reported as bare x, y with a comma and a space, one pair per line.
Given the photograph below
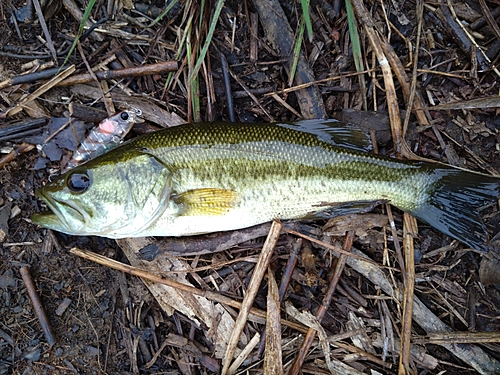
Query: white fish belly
278, 200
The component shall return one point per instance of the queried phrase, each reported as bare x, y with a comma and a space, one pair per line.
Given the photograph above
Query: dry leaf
199, 309
273, 355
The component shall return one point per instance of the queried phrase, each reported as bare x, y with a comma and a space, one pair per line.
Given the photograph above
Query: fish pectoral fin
206, 201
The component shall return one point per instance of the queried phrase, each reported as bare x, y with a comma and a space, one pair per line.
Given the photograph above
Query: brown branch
137, 71
45, 29
37, 305
285, 281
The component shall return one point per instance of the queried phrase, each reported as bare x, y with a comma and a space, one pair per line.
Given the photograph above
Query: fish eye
78, 182
124, 116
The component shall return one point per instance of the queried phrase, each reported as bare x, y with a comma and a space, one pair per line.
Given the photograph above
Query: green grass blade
164, 12
296, 53
202, 11
306, 16
85, 17
186, 32
210, 34
193, 83
356, 49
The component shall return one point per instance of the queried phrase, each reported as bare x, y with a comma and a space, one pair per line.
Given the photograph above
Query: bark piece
279, 33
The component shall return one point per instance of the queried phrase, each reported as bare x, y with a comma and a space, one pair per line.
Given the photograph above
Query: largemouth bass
202, 178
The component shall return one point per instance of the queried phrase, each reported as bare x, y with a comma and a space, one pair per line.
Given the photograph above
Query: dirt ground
105, 321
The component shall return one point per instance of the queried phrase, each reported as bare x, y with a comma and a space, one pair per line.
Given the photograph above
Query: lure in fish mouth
203, 178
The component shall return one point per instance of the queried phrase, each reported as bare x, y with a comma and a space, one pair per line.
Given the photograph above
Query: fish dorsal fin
334, 132
206, 201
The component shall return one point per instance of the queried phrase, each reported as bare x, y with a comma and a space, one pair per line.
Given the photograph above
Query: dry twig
160, 68
258, 274
37, 305
174, 284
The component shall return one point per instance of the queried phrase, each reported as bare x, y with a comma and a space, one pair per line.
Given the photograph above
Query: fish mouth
56, 217
48, 220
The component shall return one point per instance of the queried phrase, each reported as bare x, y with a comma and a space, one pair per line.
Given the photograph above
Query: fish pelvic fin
206, 201
453, 205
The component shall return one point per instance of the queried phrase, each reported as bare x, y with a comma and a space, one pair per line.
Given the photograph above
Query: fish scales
201, 178
275, 161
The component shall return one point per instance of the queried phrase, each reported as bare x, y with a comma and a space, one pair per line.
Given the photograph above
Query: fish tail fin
453, 204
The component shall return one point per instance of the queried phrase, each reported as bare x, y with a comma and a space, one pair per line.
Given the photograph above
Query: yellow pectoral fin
207, 201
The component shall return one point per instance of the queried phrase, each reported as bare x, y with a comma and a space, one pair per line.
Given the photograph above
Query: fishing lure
109, 133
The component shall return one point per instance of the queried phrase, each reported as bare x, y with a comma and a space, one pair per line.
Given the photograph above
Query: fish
109, 133
209, 177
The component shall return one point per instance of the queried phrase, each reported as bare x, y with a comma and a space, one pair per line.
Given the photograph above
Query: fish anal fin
206, 201
333, 209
